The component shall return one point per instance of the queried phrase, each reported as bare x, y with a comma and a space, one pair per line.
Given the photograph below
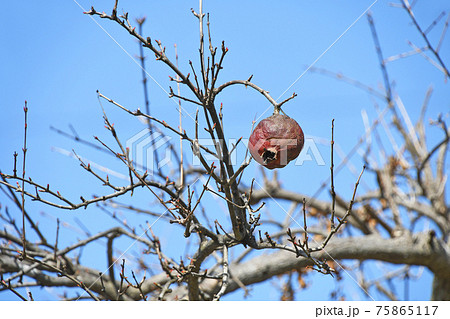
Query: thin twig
387, 83
180, 123
57, 237
160, 54
341, 77
18, 203
122, 277
225, 275
426, 57
343, 220
63, 273
139, 286
424, 36
8, 286
144, 76
444, 30
253, 86
435, 21
139, 113
25, 109
333, 193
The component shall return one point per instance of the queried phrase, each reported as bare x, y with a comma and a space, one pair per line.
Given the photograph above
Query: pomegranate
276, 141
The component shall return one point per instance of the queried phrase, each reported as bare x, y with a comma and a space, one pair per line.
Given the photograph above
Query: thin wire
129, 247
325, 251
301, 75
327, 49
320, 56
132, 244
133, 59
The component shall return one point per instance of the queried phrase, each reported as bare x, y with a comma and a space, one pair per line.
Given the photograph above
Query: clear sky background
55, 57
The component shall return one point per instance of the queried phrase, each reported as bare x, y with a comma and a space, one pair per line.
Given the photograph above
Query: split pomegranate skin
276, 141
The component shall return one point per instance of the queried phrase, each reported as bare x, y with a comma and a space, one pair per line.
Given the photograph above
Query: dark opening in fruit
276, 141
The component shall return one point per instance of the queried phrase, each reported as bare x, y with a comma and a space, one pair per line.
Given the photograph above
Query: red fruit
276, 141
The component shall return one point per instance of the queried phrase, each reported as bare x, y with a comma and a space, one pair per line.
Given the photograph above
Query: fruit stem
276, 109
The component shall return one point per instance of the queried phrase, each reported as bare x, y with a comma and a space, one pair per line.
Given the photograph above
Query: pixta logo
152, 150
310, 152
149, 151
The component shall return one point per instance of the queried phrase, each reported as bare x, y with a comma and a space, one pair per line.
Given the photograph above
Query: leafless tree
385, 224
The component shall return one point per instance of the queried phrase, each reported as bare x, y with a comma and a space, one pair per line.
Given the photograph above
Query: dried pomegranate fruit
276, 141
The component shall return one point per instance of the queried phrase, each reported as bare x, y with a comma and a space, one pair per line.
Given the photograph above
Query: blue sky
55, 57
